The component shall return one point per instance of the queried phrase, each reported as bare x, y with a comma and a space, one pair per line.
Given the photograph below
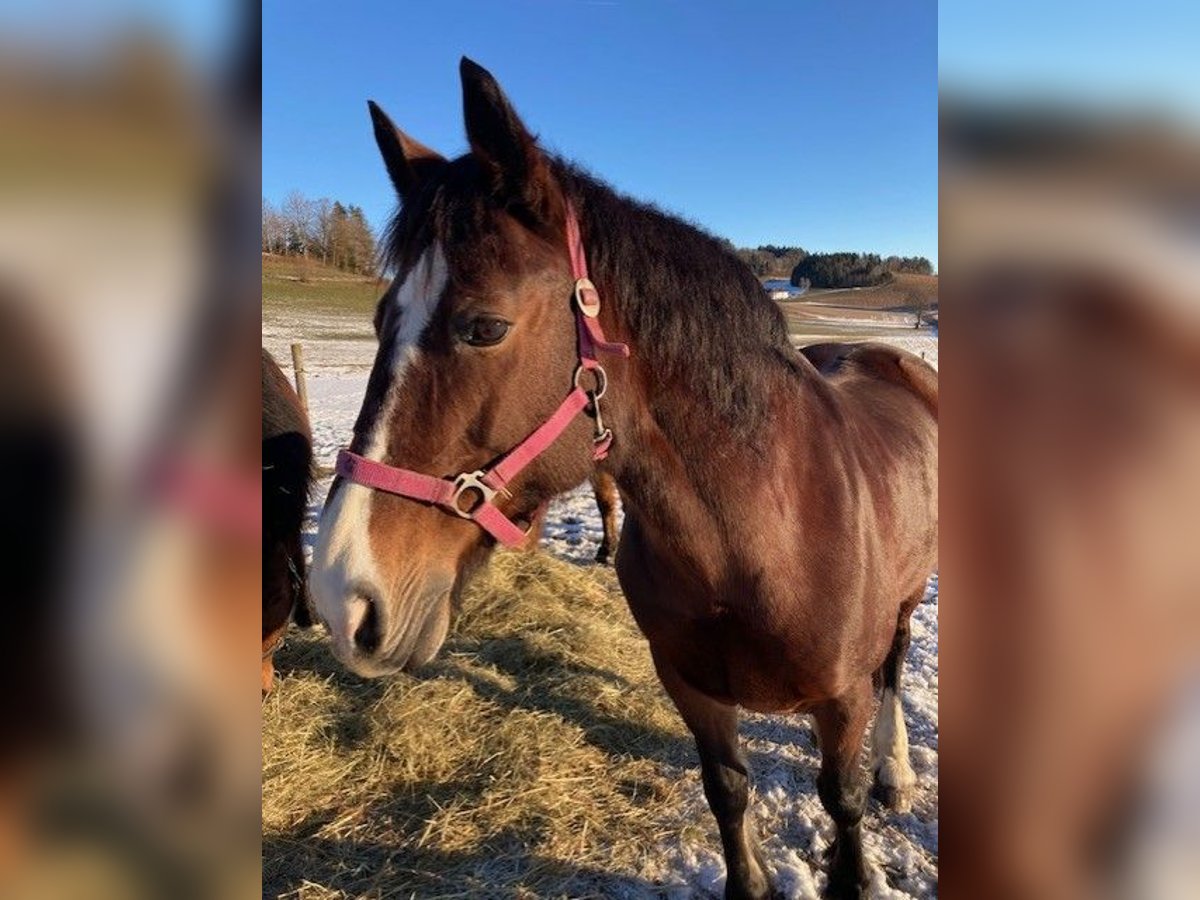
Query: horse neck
687, 468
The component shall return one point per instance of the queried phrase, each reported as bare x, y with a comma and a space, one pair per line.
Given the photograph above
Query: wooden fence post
298, 372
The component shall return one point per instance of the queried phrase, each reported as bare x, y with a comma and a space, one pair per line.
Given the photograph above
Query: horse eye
484, 331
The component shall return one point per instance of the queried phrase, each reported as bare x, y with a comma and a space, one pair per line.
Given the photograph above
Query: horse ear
500, 141
408, 161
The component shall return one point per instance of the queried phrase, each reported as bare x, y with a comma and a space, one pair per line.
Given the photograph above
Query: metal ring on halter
591, 308
470, 481
601, 379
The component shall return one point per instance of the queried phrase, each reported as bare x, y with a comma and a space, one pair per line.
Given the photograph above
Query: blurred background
1070, 250
129, 424
1070, 224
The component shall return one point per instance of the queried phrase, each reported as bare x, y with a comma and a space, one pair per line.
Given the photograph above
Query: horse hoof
752, 881
897, 799
846, 891
894, 784
767, 892
848, 887
602, 556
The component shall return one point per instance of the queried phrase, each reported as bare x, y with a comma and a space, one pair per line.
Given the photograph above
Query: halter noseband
484, 484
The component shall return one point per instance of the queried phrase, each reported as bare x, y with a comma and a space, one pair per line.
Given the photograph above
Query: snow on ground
924, 344
782, 750
334, 342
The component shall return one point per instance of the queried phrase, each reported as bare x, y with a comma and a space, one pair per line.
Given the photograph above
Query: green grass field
301, 284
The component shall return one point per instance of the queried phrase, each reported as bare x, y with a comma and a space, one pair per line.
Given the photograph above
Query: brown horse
780, 522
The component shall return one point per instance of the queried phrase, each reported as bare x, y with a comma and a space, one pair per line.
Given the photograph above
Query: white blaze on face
342, 559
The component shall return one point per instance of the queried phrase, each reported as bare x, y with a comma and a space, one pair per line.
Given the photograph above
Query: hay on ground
538, 756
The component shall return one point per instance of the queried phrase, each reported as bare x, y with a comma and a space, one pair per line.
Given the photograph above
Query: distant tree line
769, 260
844, 270
827, 270
323, 229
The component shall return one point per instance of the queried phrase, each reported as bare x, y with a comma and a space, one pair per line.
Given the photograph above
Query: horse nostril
366, 636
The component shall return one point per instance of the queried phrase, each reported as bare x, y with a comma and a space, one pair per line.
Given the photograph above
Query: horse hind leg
537, 524
605, 488
841, 785
894, 779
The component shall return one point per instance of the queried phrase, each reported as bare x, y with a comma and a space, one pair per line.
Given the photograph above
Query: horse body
780, 507
775, 574
779, 576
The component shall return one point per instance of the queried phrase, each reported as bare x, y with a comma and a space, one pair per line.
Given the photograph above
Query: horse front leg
726, 779
842, 785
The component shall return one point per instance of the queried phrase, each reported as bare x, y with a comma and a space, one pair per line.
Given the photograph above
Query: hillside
339, 306
306, 284
901, 293
885, 310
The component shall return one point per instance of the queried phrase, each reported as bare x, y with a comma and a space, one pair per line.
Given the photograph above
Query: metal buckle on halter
591, 306
599, 432
601, 380
470, 481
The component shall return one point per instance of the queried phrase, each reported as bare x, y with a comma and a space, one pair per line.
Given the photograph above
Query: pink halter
455, 494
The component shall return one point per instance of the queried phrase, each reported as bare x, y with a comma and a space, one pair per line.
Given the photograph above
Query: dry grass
900, 292
537, 757
862, 313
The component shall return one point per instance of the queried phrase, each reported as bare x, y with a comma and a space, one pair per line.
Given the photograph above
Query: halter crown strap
587, 298
579, 266
471, 494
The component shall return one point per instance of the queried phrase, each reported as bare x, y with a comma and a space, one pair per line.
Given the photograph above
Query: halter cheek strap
472, 495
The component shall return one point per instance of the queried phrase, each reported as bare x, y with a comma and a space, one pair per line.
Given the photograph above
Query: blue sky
773, 122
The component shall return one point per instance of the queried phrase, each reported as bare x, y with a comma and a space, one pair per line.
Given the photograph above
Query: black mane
697, 312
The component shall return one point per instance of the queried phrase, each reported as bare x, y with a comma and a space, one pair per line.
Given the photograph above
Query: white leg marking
889, 751
342, 557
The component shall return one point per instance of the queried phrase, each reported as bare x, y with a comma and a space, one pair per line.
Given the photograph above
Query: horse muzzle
377, 636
